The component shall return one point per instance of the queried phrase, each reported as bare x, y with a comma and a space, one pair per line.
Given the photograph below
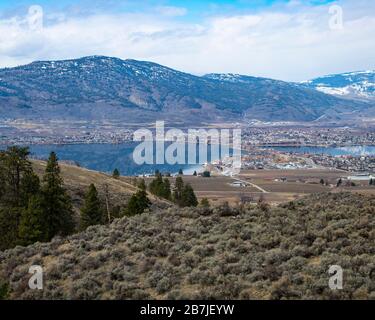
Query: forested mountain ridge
103, 88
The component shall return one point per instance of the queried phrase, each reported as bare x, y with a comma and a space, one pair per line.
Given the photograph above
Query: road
251, 184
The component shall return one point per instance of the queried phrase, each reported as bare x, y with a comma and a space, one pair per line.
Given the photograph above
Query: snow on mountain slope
353, 84
102, 88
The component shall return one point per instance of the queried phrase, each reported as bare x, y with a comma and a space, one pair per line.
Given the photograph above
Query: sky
292, 40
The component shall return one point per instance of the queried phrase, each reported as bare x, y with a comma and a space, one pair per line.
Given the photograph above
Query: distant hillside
358, 85
223, 253
102, 88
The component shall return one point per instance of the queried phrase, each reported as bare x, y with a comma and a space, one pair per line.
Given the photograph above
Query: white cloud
294, 3
172, 11
294, 43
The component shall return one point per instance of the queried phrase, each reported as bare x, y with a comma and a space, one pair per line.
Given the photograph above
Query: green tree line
31, 210
34, 209
183, 194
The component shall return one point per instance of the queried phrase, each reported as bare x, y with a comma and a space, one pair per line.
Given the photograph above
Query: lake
333, 151
107, 157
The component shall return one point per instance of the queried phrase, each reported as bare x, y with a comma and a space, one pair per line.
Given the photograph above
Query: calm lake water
334, 151
107, 157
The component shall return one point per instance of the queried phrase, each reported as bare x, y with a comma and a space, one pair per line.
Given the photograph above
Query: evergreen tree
116, 174
204, 203
156, 186
32, 227
161, 188
179, 187
30, 186
57, 206
91, 213
181, 172
167, 194
179, 184
14, 164
15, 189
9, 224
143, 200
206, 174
188, 198
137, 204
142, 185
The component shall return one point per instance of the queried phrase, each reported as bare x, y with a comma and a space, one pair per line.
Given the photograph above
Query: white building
361, 177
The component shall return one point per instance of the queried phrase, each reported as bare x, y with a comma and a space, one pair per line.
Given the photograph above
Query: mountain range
356, 85
104, 88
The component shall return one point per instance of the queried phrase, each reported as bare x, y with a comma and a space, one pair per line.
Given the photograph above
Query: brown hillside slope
252, 253
77, 181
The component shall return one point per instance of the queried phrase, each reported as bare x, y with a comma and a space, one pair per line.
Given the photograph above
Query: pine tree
30, 186
143, 201
9, 224
142, 185
179, 187
132, 207
14, 164
57, 206
116, 174
206, 174
156, 185
179, 184
91, 213
32, 227
188, 198
14, 168
167, 194
137, 204
204, 203
161, 188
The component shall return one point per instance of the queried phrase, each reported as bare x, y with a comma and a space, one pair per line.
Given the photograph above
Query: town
258, 143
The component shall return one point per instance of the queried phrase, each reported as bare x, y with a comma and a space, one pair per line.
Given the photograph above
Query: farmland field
274, 186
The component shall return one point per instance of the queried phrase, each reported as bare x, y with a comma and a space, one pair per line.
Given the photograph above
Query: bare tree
245, 199
106, 195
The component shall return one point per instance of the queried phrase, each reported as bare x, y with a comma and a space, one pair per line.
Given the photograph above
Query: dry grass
77, 181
